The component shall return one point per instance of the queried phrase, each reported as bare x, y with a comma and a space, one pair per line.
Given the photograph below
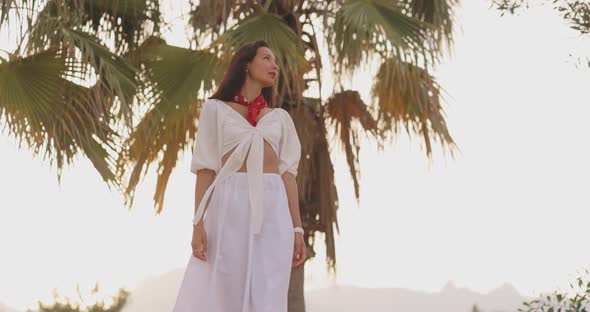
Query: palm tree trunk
296, 298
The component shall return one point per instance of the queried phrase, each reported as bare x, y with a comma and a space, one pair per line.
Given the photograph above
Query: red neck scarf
254, 106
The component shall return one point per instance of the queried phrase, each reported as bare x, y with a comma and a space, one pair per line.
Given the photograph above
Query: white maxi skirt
244, 272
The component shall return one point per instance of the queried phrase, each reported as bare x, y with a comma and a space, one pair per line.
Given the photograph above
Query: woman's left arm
292, 196
289, 154
299, 248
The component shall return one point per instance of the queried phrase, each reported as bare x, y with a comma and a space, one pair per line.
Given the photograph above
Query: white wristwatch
298, 229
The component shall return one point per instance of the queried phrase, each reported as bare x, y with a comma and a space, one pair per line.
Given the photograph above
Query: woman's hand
199, 242
300, 251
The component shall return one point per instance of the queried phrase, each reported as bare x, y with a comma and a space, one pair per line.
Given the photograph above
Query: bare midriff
270, 163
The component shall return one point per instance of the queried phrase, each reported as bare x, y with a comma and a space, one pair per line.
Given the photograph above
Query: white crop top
221, 128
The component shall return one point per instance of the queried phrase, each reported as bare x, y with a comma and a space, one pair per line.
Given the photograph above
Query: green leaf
366, 27
116, 73
176, 76
54, 115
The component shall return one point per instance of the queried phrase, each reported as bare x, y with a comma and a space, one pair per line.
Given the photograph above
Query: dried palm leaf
409, 95
343, 109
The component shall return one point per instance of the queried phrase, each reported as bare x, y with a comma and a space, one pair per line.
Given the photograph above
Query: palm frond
126, 20
53, 115
44, 31
176, 77
5, 6
113, 73
437, 13
409, 95
343, 109
284, 43
147, 52
213, 17
363, 28
24, 11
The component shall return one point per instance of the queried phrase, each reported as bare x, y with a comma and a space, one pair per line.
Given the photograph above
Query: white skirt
243, 272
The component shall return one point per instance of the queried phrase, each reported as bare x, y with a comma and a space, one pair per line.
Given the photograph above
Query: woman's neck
250, 90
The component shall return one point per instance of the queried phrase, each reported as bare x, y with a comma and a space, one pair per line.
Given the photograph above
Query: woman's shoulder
214, 106
282, 112
215, 103
285, 116
211, 103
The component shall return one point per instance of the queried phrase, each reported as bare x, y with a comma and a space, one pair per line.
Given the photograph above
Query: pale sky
511, 208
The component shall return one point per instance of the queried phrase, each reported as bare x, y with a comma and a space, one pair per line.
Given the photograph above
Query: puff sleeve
289, 146
207, 148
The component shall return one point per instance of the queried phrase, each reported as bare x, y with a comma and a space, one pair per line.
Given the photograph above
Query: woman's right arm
206, 160
205, 163
199, 240
204, 179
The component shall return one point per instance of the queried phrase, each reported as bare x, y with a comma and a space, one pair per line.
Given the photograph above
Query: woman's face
263, 68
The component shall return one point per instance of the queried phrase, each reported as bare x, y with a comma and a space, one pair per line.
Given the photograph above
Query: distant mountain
449, 299
159, 294
156, 294
5, 308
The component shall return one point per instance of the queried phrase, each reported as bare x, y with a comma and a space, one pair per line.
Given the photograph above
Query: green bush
574, 301
65, 304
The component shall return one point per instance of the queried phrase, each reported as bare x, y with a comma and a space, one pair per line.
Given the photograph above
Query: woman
245, 157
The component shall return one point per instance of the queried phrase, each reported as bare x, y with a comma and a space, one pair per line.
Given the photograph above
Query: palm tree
98, 77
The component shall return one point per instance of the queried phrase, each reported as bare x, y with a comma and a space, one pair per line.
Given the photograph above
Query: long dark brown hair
235, 76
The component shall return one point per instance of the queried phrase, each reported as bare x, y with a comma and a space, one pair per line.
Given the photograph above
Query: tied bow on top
250, 146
